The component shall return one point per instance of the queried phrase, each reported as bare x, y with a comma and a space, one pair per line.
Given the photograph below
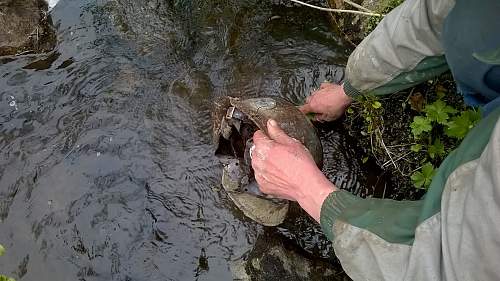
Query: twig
379, 137
358, 6
337, 10
400, 145
397, 159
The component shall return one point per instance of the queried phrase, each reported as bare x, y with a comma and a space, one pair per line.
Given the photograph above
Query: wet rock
25, 26
273, 259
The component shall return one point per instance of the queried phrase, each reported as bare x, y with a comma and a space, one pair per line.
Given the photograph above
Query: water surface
107, 170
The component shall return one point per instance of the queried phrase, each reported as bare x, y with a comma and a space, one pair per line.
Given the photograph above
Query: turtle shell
258, 111
261, 109
289, 118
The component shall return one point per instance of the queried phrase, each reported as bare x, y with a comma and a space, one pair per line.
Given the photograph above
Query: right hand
285, 168
328, 103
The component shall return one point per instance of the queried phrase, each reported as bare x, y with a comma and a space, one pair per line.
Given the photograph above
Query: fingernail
273, 123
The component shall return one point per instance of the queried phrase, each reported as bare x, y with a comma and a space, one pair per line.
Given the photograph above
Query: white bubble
52, 3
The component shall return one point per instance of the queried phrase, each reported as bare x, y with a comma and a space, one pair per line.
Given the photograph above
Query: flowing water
107, 170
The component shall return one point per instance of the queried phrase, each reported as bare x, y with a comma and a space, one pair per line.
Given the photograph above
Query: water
107, 170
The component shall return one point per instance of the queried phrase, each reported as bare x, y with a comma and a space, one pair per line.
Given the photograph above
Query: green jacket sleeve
450, 234
404, 50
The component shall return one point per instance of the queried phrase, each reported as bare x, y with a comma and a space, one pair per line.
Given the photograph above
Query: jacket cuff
350, 90
332, 208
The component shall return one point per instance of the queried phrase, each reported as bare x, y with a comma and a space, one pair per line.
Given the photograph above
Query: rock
271, 259
25, 26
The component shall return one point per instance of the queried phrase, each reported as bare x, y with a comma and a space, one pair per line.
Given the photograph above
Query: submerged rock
25, 26
272, 259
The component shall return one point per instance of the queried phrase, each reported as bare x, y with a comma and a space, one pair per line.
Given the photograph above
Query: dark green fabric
426, 69
350, 90
396, 221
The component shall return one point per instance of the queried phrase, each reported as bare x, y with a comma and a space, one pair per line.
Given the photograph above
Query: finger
257, 163
309, 98
324, 85
320, 118
259, 137
262, 149
268, 187
262, 182
306, 108
277, 134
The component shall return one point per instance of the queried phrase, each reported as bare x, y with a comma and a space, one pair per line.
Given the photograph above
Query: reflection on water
106, 169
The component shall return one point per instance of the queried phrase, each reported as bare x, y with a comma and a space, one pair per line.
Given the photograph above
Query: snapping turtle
235, 121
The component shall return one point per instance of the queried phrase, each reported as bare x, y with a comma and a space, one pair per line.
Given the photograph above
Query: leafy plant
423, 178
440, 119
371, 110
436, 149
3, 277
460, 125
420, 125
416, 147
439, 111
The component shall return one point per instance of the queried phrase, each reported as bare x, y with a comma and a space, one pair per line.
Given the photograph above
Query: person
453, 232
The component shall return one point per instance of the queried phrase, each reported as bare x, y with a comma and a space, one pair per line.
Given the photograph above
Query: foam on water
52, 3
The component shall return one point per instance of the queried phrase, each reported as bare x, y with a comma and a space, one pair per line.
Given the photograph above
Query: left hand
286, 169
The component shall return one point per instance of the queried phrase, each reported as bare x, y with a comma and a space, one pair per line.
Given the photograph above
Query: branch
358, 6
338, 10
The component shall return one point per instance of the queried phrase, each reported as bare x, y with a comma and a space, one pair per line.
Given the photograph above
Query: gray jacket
453, 233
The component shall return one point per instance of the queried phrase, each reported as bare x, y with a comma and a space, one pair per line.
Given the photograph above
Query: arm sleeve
450, 234
404, 49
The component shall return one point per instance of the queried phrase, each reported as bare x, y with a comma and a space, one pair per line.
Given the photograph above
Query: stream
107, 170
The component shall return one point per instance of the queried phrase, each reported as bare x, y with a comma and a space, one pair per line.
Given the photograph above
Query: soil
397, 116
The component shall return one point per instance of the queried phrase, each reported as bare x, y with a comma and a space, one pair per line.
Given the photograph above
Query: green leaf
423, 178
5, 278
350, 111
416, 147
365, 159
436, 149
376, 105
439, 111
460, 125
419, 125
2, 250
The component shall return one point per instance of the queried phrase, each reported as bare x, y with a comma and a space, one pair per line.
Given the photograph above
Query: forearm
404, 50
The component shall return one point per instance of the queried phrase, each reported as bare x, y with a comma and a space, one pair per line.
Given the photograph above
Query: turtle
234, 122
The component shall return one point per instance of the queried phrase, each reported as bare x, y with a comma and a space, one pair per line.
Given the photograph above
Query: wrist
314, 193
347, 100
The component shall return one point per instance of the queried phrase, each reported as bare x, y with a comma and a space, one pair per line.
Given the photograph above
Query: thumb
259, 137
306, 108
277, 134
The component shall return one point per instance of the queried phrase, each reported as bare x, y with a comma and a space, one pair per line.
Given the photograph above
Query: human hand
328, 103
285, 168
